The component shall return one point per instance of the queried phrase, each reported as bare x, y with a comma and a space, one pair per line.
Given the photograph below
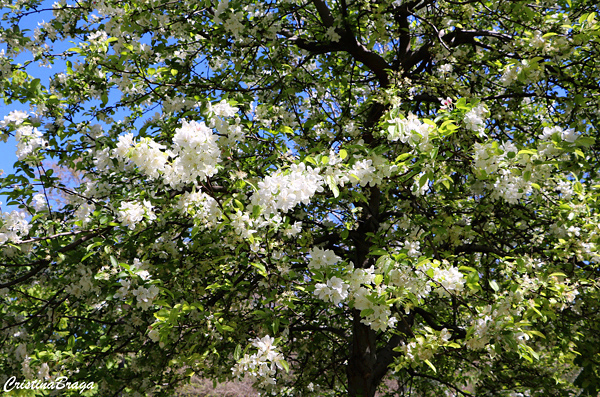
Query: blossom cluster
410, 130
336, 290
501, 160
82, 283
408, 281
365, 291
423, 347
131, 213
13, 225
195, 154
261, 367
147, 155
195, 146
284, 189
370, 171
475, 119
450, 280
28, 137
28, 140
322, 258
145, 296
203, 207
219, 115
38, 201
569, 135
14, 118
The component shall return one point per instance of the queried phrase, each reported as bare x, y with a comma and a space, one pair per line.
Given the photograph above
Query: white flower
44, 372
508, 147
363, 172
293, 230
28, 140
154, 335
335, 291
131, 213
264, 345
262, 366
569, 135
223, 109
284, 190
332, 35
413, 248
451, 279
445, 68
475, 118
99, 36
122, 292
124, 145
145, 296
322, 291
320, 258
39, 202
197, 154
13, 225
16, 118
21, 352
548, 132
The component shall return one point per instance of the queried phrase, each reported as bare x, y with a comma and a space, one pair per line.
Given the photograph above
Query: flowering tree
318, 195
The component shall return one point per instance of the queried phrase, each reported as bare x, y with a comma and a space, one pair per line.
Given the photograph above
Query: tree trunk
362, 381
362, 360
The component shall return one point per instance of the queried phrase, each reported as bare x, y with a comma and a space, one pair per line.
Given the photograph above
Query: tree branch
412, 373
44, 262
471, 248
324, 12
336, 331
458, 333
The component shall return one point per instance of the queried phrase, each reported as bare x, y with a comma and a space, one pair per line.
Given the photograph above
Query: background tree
316, 195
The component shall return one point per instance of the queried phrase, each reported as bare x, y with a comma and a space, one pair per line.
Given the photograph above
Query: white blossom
321, 258
145, 296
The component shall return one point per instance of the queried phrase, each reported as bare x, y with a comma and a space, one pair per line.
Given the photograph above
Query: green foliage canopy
318, 195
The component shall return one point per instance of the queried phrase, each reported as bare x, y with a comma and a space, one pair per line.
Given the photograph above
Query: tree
318, 195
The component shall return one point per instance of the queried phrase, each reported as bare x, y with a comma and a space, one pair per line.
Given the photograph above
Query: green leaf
366, 312
585, 141
494, 285
403, 157
332, 185
377, 252
262, 270
378, 279
535, 333
287, 130
431, 366
557, 274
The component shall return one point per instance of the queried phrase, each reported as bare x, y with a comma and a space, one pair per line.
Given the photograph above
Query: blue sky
8, 150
